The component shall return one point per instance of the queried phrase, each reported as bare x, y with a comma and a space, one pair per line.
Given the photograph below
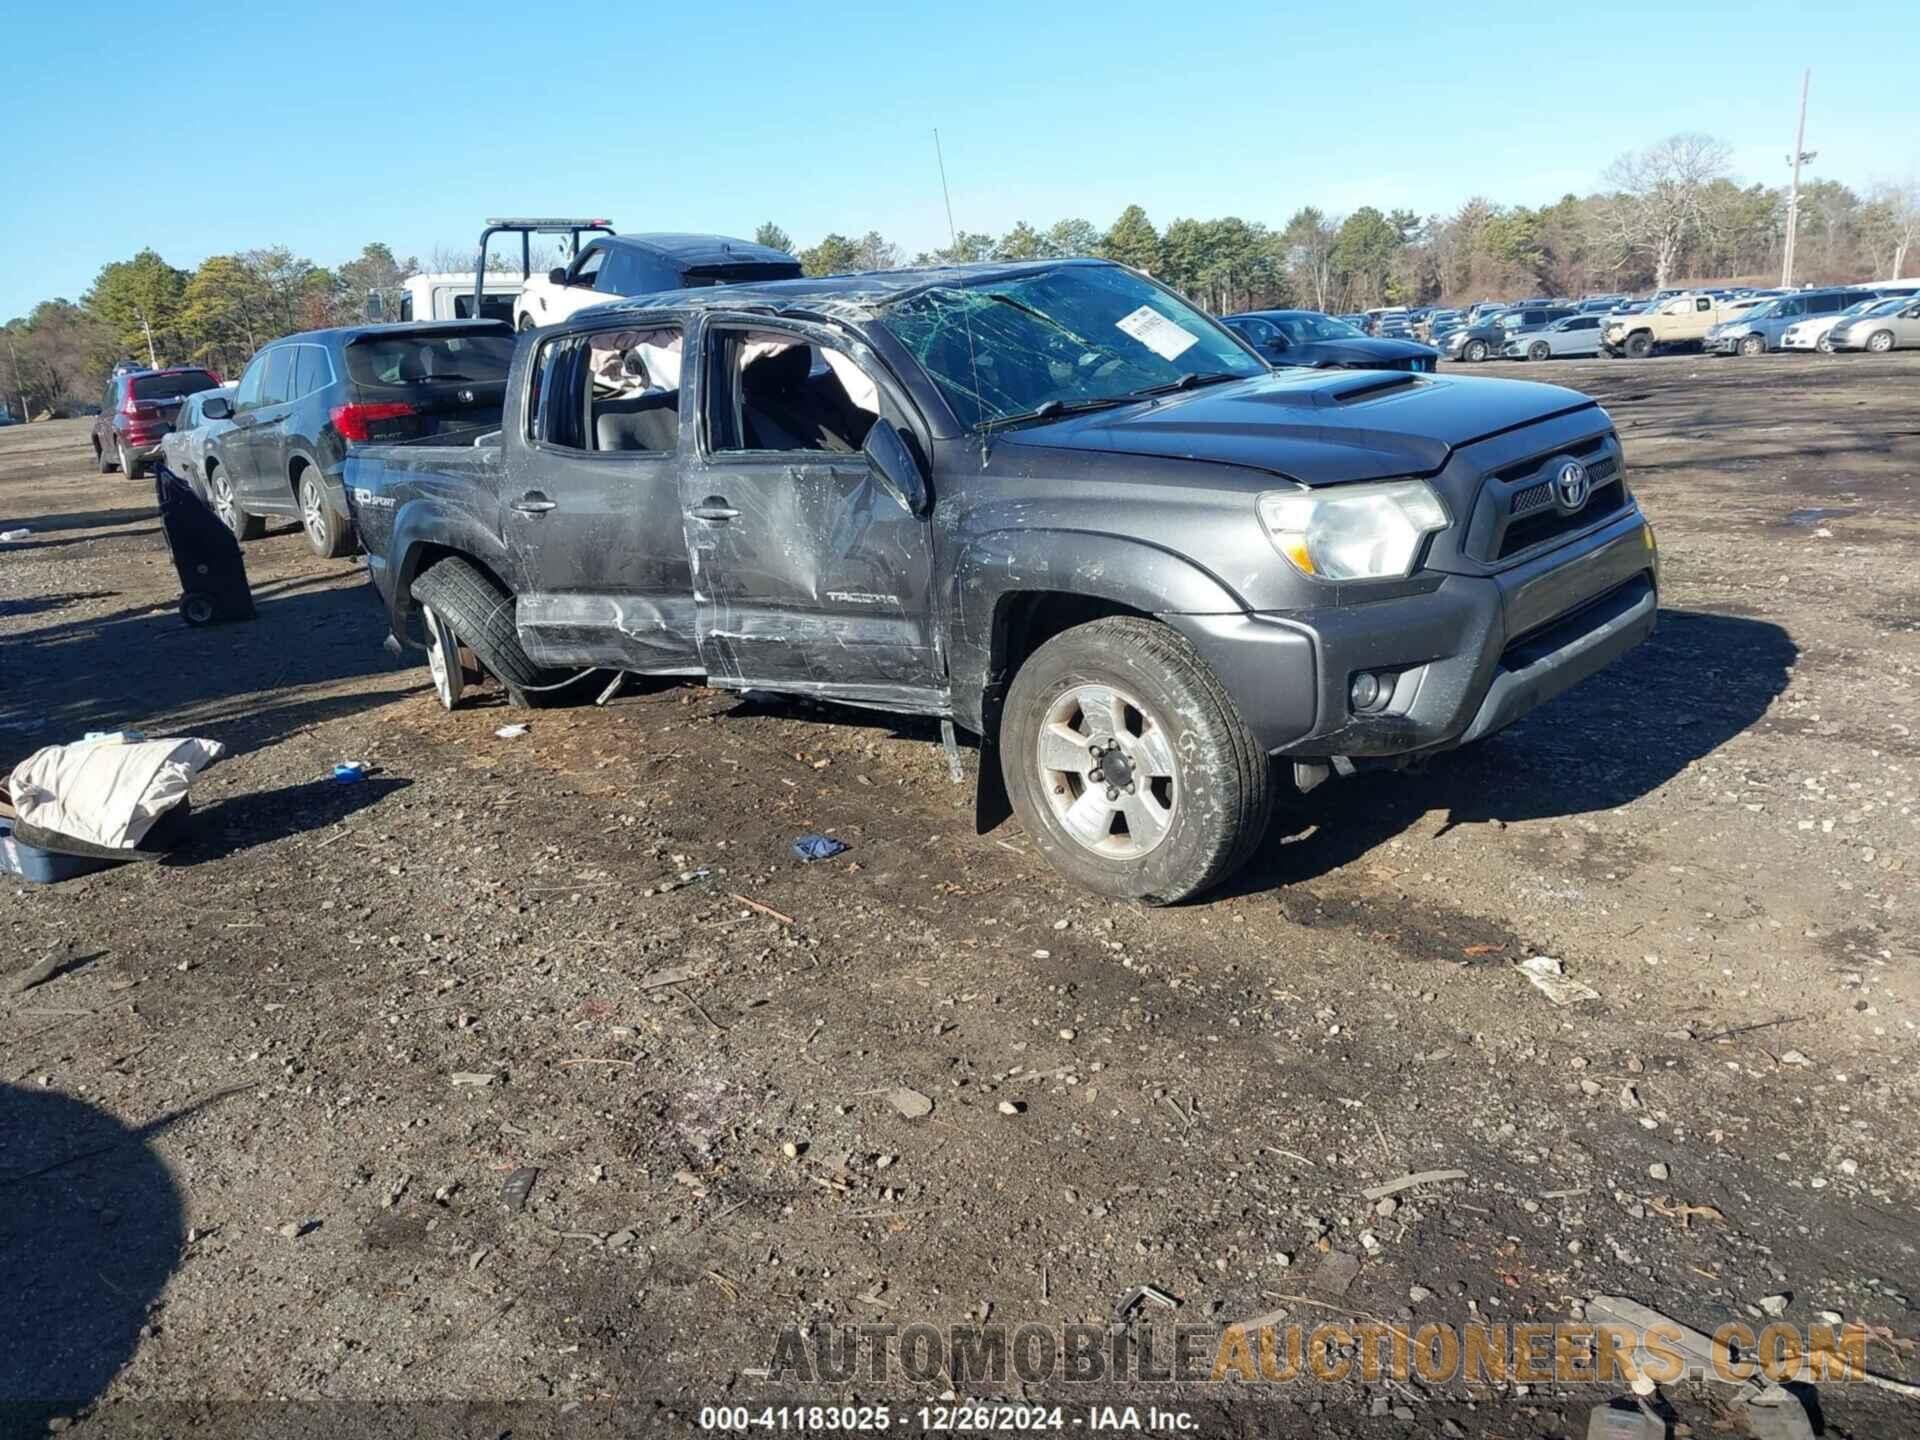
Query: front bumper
1460, 660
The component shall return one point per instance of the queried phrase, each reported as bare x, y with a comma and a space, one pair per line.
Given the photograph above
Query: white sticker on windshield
1157, 333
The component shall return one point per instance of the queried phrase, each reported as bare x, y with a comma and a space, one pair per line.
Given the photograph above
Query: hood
1359, 351
1319, 427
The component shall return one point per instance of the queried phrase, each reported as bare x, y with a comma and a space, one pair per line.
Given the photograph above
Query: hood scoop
1350, 388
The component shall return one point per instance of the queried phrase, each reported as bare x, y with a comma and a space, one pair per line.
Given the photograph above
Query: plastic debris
818, 847
8, 536
511, 732
350, 772
1550, 978
519, 1187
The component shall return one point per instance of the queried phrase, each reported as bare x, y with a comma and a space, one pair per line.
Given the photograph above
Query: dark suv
137, 412
306, 399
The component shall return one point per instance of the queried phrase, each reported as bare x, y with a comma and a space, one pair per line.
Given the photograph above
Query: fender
991, 568
423, 528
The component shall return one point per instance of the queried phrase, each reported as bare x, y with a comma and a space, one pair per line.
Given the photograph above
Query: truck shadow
92, 1228
1618, 736
245, 684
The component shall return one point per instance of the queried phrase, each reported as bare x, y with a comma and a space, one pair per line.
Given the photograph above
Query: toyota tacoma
1051, 504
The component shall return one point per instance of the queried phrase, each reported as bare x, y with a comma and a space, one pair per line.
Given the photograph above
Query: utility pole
1800, 155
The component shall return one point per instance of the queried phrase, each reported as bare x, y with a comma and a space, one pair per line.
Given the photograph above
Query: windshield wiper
1055, 409
1189, 382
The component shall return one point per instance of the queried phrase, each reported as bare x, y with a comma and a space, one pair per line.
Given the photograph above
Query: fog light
1366, 690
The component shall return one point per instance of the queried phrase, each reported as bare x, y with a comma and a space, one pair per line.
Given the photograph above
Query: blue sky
329, 125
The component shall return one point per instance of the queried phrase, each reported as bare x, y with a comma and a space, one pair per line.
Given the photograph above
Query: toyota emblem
1570, 486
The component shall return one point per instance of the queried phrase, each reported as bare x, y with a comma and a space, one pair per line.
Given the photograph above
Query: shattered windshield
1072, 338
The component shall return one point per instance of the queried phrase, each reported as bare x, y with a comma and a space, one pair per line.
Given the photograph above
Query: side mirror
218, 408
1279, 342
557, 276
896, 468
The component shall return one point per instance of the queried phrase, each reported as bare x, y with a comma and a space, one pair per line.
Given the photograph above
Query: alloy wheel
313, 512
223, 505
443, 658
1108, 770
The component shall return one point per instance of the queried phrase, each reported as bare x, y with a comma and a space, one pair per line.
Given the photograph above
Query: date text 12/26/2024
945, 1418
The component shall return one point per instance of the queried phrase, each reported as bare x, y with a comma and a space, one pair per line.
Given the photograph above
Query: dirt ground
254, 1134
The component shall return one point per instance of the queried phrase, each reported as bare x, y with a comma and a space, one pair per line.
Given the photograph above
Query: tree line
1665, 215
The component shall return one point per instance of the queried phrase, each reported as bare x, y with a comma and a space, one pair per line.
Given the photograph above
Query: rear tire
101, 459
1203, 802
480, 615
129, 466
1639, 347
197, 608
328, 534
527, 323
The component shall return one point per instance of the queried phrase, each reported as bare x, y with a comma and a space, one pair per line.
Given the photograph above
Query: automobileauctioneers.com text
1329, 1352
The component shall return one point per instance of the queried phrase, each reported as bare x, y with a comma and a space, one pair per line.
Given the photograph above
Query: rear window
401, 360
172, 387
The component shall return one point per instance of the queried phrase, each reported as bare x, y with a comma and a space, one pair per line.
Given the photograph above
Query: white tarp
108, 791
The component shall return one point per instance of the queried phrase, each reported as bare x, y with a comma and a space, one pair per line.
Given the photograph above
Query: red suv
138, 410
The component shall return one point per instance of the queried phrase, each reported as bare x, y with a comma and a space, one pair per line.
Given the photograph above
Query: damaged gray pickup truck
1051, 503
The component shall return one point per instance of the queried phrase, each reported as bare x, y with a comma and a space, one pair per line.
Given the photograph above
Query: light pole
1800, 155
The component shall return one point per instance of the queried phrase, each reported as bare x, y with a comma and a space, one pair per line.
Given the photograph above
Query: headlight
1353, 532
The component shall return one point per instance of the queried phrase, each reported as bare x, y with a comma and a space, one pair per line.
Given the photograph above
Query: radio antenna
966, 309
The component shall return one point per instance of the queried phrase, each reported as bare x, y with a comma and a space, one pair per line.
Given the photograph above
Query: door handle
533, 503
714, 507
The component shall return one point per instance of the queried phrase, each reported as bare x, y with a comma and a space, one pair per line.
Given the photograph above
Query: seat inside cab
636, 390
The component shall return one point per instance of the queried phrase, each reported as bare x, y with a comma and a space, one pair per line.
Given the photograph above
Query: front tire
1824, 345
1476, 351
1639, 347
1539, 350
1116, 798
1752, 345
327, 533
1880, 342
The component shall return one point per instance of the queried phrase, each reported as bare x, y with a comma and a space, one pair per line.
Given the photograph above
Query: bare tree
1892, 225
1657, 203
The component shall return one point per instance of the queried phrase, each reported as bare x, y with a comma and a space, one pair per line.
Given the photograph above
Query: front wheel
327, 533
1753, 345
1539, 350
1115, 796
1880, 342
1476, 351
1824, 345
1639, 347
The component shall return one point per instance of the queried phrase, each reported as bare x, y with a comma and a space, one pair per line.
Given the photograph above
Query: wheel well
422, 558
1027, 619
